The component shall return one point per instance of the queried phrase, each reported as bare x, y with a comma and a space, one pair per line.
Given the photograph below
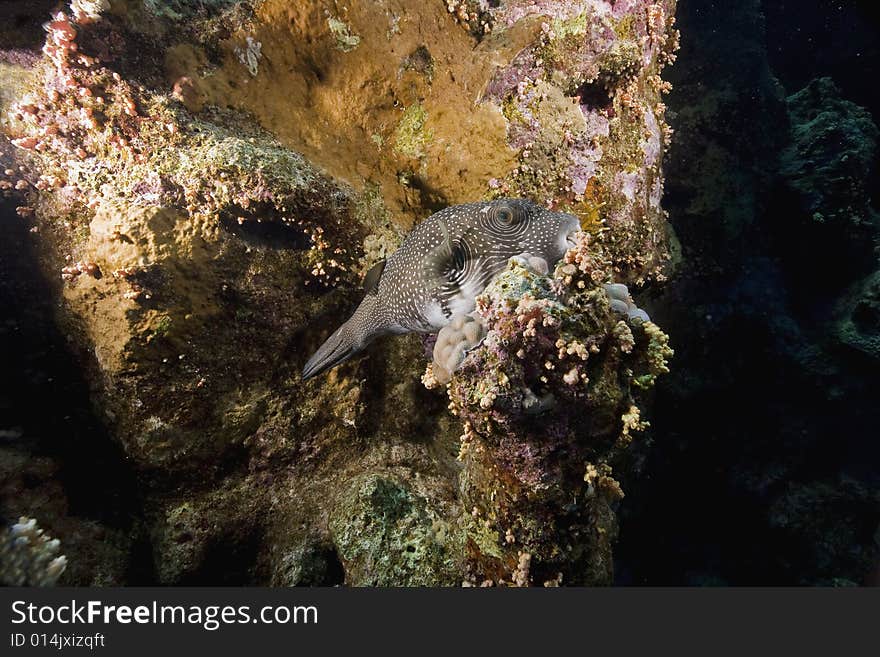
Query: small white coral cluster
462, 334
621, 302
250, 55
532, 263
28, 556
88, 11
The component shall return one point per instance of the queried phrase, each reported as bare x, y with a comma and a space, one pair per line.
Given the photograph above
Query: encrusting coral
453, 341
549, 402
573, 99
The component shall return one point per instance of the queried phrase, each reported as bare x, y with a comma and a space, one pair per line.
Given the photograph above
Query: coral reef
203, 185
537, 479
572, 101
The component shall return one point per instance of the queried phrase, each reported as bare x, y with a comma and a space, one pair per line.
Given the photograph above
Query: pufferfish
440, 269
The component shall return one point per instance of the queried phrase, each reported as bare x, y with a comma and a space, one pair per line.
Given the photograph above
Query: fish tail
346, 341
338, 348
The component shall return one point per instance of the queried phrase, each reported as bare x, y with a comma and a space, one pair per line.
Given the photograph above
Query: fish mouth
571, 226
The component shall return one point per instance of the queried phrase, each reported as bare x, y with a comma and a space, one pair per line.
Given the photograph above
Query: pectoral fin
371, 280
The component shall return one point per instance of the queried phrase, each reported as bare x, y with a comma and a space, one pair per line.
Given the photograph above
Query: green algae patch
625, 27
388, 535
345, 40
574, 27
412, 137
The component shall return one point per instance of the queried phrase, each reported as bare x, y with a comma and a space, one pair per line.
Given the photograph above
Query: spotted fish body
441, 267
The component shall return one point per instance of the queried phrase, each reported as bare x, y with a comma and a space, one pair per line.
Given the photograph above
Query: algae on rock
206, 223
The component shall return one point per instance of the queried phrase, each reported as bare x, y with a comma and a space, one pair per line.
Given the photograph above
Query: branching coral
28, 557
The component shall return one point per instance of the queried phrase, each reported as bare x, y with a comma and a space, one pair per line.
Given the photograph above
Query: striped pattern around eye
507, 223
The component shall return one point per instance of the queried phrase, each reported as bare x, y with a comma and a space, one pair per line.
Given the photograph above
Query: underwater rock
100, 552
388, 535
206, 183
858, 326
549, 403
833, 525
584, 111
834, 143
189, 546
828, 165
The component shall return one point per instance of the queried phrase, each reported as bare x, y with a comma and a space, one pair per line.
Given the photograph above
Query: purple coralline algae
583, 105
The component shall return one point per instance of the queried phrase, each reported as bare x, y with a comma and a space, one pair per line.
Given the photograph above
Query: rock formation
204, 184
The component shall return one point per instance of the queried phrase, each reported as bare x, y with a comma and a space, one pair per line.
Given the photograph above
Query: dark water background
764, 465
837, 38
763, 469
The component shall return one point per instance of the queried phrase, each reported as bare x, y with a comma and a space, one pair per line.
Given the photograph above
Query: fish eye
504, 215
